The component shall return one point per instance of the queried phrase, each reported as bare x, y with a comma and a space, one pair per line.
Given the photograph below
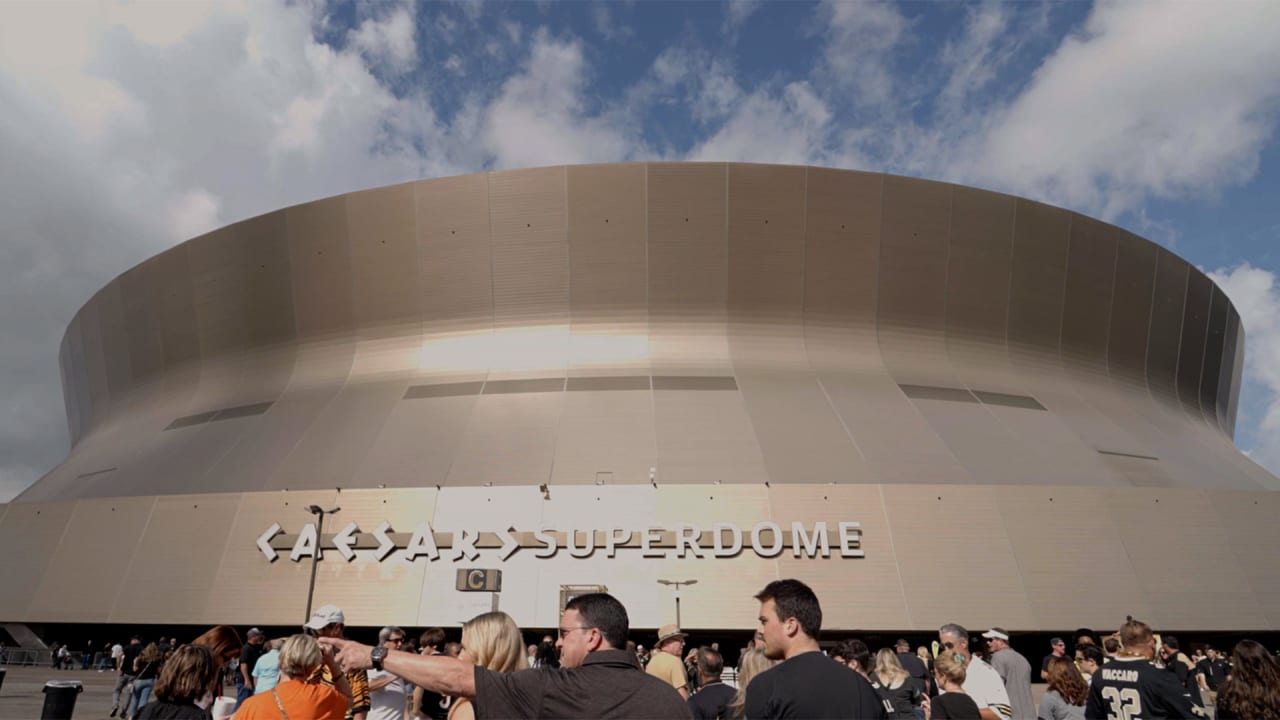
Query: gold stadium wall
1016, 401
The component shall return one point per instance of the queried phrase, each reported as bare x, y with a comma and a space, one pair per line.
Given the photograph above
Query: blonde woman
492, 641
752, 663
896, 687
293, 696
952, 703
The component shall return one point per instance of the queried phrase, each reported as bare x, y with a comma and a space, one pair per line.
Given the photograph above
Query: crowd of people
590, 669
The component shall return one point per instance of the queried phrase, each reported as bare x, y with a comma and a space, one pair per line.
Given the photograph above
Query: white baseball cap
324, 616
996, 634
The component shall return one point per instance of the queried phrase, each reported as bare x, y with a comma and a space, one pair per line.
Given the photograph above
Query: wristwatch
376, 655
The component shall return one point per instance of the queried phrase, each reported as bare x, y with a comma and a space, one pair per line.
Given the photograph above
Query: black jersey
1134, 689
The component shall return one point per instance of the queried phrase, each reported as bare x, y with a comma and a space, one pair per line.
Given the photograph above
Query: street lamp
319, 512
676, 584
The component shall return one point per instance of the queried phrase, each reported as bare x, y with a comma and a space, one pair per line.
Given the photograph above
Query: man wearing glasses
386, 691
1059, 649
597, 677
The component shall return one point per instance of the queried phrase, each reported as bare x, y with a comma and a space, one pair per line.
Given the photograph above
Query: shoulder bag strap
276, 697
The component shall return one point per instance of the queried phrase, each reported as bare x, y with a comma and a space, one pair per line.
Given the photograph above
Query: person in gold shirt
666, 664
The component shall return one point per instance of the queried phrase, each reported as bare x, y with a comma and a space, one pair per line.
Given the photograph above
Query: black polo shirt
608, 685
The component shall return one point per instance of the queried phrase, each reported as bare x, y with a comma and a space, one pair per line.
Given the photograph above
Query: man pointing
597, 677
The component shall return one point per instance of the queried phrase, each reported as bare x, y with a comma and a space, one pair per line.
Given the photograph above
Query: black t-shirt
812, 685
434, 705
710, 700
147, 670
1134, 689
249, 655
953, 706
609, 684
913, 665
1179, 669
1214, 671
131, 652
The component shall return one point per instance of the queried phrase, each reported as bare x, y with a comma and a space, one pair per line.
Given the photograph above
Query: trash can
60, 699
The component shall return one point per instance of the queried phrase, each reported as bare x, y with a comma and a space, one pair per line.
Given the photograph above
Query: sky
126, 128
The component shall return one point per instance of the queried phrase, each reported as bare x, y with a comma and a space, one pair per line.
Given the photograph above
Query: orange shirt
302, 701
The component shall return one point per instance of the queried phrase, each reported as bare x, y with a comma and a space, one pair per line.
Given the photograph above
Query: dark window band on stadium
1119, 453
573, 384
986, 397
230, 413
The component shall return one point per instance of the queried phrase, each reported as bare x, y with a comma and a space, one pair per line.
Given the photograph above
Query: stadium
930, 402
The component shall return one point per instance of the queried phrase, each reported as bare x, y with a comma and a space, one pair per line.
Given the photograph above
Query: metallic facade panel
510, 440
96, 549
1131, 310
1045, 527
1166, 324
705, 437
142, 298
766, 265
270, 593
179, 339
332, 447
1090, 287
914, 245
268, 280
218, 279
1229, 373
416, 392
1219, 588
895, 440
801, 437
605, 436
382, 232
842, 248
454, 257
375, 593
1248, 519
1195, 330
319, 256
607, 244
416, 445
530, 247
152, 592
977, 291
845, 600
918, 513
1214, 349
36, 528
1038, 278
688, 267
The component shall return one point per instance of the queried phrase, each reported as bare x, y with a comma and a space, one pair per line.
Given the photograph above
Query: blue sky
130, 127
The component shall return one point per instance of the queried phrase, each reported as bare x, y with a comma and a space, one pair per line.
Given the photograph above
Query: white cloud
604, 24
859, 40
540, 117
1151, 100
737, 12
788, 128
1255, 294
389, 41
125, 132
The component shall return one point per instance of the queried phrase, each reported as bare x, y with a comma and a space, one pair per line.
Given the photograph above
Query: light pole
676, 584
319, 512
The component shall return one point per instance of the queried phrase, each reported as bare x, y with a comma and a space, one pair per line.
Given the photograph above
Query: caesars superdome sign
766, 539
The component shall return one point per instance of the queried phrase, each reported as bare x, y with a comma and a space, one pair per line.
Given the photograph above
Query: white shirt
116, 651
387, 703
983, 684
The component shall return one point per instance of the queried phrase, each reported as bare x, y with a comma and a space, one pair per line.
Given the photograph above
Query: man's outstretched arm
438, 673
